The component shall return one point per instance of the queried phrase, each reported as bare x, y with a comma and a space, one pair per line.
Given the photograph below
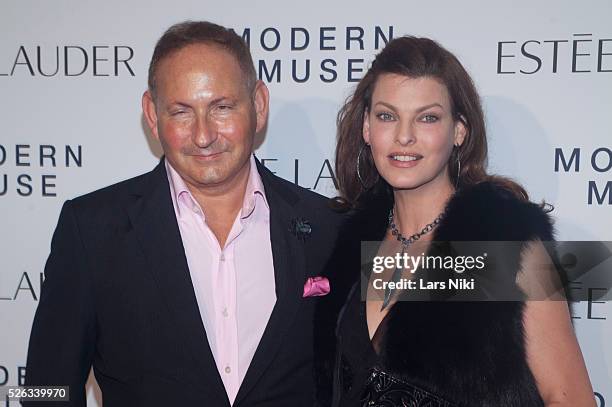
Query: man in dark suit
193, 284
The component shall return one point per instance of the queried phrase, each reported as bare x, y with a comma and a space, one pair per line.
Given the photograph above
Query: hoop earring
363, 184
458, 168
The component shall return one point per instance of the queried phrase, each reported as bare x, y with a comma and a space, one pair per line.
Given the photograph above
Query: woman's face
411, 131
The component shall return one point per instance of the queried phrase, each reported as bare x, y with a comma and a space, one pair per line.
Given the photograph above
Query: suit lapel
157, 231
289, 277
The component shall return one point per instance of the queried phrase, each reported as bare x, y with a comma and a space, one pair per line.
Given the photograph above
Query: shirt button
196, 210
222, 257
228, 370
225, 313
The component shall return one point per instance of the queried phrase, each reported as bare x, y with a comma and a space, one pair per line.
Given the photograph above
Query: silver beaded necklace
397, 273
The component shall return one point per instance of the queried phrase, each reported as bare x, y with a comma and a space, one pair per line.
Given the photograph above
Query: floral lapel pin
300, 228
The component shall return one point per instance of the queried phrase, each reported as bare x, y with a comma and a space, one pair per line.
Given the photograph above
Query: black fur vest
472, 353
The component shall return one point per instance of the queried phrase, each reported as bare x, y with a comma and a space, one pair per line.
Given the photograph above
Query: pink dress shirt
234, 285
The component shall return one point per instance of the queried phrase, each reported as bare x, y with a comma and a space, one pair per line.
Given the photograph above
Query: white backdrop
72, 74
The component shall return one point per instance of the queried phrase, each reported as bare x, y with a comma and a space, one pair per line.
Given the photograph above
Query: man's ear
261, 100
366, 126
150, 113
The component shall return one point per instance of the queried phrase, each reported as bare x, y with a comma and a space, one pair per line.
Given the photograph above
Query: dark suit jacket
118, 296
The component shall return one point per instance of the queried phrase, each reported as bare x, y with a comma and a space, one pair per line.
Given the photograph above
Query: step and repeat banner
72, 74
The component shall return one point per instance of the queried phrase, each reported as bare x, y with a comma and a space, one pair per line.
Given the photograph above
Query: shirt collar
254, 191
181, 196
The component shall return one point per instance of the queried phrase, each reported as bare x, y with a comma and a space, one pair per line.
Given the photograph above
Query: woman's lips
403, 160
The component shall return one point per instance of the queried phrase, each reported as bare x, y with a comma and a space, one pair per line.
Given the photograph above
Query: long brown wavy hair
414, 57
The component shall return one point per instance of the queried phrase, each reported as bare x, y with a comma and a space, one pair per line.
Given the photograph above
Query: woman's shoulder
491, 211
367, 219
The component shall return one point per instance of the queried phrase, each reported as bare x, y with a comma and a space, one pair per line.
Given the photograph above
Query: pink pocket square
316, 287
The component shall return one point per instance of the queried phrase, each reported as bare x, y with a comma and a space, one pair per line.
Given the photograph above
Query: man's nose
204, 133
405, 134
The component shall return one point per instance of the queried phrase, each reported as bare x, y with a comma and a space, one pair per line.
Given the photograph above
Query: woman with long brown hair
410, 163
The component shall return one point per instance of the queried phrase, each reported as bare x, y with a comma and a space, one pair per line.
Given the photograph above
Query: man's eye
430, 118
384, 116
178, 112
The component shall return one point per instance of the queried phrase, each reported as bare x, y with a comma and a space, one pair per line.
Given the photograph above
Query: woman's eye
384, 116
429, 118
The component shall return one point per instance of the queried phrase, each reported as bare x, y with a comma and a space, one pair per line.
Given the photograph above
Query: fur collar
469, 208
